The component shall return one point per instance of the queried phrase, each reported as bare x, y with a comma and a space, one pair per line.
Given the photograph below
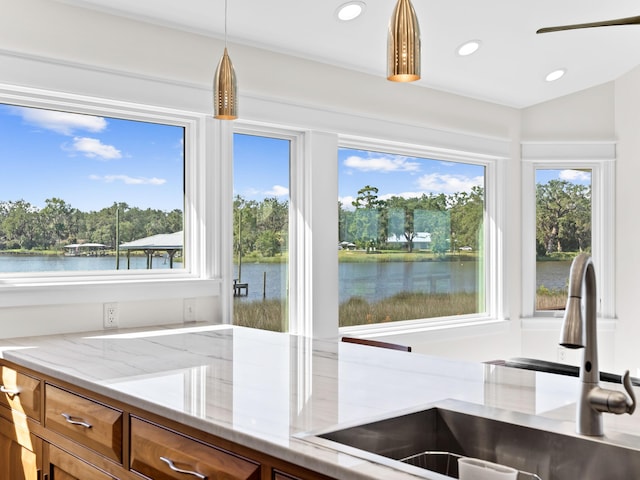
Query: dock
238, 288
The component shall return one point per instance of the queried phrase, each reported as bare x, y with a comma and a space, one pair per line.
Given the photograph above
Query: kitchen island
264, 391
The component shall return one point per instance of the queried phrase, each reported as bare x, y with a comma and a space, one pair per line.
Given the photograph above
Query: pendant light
225, 89
403, 44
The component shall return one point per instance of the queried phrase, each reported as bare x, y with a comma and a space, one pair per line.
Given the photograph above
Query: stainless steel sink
432, 438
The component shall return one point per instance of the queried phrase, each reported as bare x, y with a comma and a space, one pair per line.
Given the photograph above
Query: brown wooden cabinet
160, 453
283, 476
20, 451
51, 430
20, 392
64, 466
88, 422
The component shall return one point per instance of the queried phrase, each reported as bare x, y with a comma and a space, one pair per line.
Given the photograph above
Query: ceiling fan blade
606, 23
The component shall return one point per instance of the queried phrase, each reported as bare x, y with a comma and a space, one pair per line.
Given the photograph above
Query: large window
411, 237
83, 192
99, 200
563, 229
261, 231
568, 208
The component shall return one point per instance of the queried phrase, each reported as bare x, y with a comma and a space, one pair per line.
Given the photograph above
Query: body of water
374, 281
553, 275
371, 281
60, 263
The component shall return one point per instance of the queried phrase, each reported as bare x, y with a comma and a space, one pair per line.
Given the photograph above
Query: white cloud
439, 183
575, 176
126, 179
383, 164
278, 191
61, 122
347, 202
92, 147
403, 195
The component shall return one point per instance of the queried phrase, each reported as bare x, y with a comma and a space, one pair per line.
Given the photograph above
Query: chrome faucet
580, 331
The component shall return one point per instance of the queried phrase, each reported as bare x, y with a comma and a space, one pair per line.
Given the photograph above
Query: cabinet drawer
278, 475
20, 452
67, 467
283, 476
20, 392
86, 421
163, 454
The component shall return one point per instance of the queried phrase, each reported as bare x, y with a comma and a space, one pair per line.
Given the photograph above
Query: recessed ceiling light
468, 48
350, 11
555, 75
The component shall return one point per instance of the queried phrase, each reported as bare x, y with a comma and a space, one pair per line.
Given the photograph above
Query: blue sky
403, 176
261, 170
580, 177
89, 162
260, 167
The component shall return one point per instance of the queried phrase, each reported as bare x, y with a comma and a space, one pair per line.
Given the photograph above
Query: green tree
60, 221
365, 227
268, 243
433, 217
21, 225
563, 216
401, 215
467, 213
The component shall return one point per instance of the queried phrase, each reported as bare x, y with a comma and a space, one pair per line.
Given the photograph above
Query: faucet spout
579, 330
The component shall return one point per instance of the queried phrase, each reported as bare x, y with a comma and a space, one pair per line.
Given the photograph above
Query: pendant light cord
225, 23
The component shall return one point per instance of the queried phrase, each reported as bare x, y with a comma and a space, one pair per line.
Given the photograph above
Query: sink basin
433, 438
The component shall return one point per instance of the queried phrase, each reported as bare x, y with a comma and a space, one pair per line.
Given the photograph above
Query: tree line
23, 226
563, 218
441, 222
450, 222
260, 227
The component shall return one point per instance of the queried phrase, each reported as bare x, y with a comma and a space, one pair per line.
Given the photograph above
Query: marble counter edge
316, 458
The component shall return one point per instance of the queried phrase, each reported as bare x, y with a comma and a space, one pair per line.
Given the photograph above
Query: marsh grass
268, 314
271, 314
262, 314
360, 256
547, 299
406, 306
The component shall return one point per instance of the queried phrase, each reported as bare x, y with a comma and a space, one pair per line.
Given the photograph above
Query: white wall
604, 113
584, 116
627, 121
55, 46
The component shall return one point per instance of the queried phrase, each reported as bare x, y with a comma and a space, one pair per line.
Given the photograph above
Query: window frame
600, 158
494, 218
297, 264
198, 275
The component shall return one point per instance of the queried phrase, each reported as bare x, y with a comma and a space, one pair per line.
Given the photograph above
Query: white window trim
600, 158
298, 264
201, 273
495, 186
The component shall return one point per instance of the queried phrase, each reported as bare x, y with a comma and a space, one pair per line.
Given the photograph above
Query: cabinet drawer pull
71, 420
179, 470
8, 391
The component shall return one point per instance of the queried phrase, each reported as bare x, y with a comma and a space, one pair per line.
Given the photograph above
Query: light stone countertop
263, 389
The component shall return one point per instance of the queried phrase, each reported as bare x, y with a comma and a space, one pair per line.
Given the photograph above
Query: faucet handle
626, 381
613, 401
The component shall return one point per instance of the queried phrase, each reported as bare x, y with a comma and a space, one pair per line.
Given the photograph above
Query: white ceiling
509, 68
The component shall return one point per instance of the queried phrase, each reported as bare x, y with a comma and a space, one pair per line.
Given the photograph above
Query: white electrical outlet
110, 315
189, 310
